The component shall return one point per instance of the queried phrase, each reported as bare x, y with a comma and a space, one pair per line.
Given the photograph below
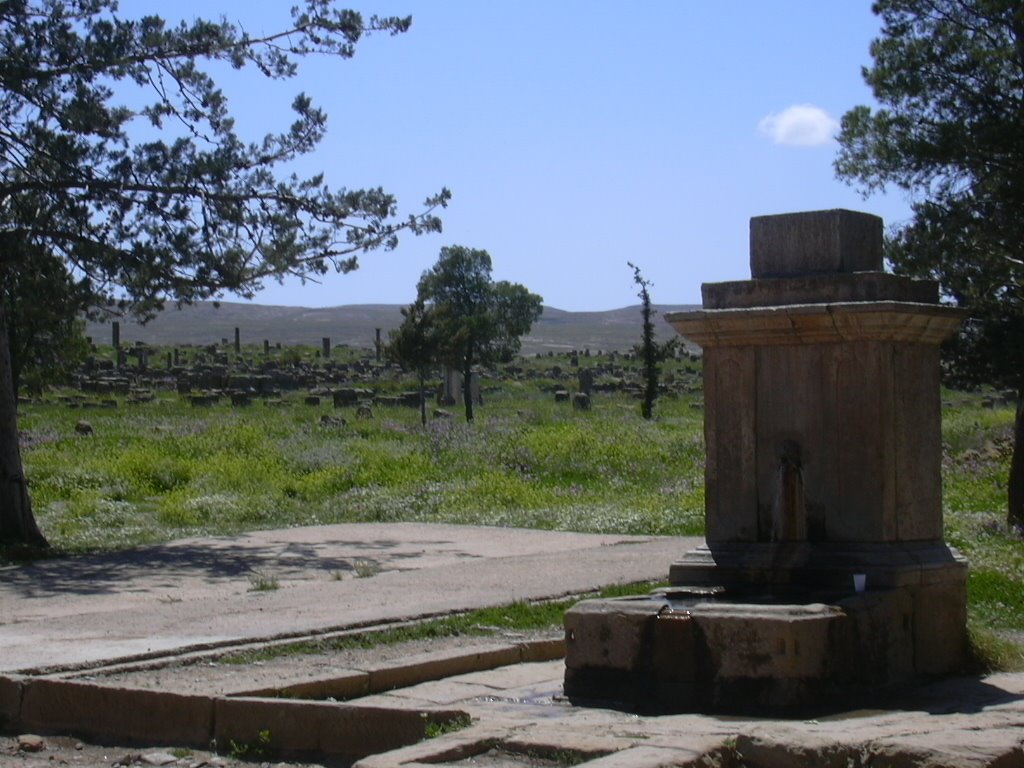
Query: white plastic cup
859, 581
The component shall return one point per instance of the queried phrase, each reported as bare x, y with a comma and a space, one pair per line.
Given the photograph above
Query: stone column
825, 575
822, 425
823, 355
586, 381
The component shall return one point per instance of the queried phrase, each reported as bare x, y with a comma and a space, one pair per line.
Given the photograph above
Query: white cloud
802, 125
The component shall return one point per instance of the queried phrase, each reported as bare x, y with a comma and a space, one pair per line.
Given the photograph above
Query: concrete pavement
198, 593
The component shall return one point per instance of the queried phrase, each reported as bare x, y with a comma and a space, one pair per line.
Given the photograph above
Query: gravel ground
22, 750
64, 750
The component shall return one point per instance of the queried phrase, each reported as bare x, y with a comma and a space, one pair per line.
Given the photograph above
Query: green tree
650, 352
413, 345
119, 155
476, 321
949, 75
45, 332
648, 346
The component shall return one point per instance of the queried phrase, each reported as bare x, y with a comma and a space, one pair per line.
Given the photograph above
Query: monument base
735, 639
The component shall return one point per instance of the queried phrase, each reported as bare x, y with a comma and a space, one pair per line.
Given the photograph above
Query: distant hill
354, 324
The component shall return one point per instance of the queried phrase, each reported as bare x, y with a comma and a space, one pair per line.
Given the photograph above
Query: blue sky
576, 135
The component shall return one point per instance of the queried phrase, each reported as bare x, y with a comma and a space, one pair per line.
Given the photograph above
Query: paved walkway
200, 592
958, 723
195, 593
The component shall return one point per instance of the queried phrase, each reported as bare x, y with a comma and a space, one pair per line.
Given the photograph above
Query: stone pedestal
822, 427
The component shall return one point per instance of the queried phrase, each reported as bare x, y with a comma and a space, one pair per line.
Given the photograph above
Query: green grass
520, 616
434, 730
977, 445
165, 470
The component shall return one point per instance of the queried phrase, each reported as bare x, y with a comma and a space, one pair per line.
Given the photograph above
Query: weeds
990, 651
245, 750
263, 582
434, 729
364, 569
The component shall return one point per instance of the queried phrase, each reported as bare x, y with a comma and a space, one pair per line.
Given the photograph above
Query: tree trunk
650, 370
1015, 490
423, 399
17, 525
467, 387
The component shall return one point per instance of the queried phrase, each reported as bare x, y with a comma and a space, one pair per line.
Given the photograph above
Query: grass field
164, 470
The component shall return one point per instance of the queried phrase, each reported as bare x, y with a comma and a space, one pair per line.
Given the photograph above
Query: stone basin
680, 650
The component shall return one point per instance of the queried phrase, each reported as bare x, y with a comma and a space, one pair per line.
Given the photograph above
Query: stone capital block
816, 242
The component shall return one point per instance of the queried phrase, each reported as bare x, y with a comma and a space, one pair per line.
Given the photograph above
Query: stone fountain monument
825, 577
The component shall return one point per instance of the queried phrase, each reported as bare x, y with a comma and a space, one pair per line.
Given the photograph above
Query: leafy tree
44, 330
118, 154
413, 346
949, 75
476, 321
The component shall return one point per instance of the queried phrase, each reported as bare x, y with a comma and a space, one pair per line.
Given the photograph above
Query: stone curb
251, 720
160, 718
318, 728
99, 712
422, 668
10, 700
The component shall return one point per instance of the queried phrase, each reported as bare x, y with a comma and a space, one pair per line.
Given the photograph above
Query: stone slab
518, 676
833, 323
961, 723
432, 694
451, 748
653, 757
818, 289
436, 666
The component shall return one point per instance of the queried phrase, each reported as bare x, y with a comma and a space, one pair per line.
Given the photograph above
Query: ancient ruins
825, 577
